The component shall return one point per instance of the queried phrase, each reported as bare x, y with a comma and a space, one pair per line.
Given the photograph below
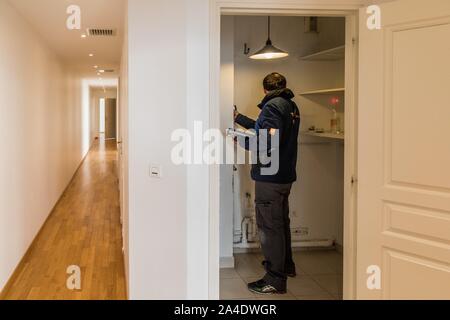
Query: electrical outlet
301, 231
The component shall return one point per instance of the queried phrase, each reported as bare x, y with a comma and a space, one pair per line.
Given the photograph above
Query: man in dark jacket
279, 117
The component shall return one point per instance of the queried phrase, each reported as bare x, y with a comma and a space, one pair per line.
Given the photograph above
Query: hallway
83, 229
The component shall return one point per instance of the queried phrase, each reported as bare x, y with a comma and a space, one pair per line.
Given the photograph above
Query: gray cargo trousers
272, 218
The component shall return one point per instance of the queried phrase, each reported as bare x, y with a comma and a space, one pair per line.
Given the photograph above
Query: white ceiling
48, 18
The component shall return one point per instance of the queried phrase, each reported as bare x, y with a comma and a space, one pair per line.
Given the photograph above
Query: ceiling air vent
96, 32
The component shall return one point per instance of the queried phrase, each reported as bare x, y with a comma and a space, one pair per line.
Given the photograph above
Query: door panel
414, 277
418, 88
110, 119
408, 220
404, 151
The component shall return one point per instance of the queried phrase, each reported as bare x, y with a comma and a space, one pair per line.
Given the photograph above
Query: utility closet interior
315, 72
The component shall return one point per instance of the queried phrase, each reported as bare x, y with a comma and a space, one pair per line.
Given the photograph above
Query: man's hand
243, 121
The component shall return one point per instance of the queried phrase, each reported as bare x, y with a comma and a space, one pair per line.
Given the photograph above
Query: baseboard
226, 262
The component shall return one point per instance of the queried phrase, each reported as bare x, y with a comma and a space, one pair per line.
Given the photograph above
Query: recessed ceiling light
83, 36
91, 54
95, 67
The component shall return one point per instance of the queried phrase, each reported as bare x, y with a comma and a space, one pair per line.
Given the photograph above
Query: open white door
404, 151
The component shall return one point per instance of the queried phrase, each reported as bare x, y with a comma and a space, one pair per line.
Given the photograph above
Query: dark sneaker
262, 287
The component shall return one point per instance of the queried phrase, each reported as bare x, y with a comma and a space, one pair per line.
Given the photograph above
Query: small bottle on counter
335, 123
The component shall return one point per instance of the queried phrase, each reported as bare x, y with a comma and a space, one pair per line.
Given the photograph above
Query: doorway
104, 113
336, 148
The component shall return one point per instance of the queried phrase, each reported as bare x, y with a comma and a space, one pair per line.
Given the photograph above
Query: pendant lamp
269, 51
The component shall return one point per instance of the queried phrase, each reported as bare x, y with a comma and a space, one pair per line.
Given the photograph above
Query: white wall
157, 106
168, 85
316, 199
41, 123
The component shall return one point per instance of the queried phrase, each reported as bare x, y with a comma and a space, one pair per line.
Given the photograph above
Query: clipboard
231, 132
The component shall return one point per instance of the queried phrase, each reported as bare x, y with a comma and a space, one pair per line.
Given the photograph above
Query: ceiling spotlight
83, 36
95, 67
91, 54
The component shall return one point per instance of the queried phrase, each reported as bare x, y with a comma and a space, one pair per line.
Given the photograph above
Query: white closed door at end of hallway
404, 153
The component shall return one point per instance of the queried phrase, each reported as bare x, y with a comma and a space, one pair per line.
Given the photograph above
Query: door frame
297, 8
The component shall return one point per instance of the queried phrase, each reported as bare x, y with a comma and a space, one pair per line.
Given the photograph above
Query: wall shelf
327, 135
324, 91
333, 54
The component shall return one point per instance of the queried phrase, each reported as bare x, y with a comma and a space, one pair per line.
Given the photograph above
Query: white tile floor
319, 277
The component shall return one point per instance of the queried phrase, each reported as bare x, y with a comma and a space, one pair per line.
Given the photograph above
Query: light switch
155, 171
